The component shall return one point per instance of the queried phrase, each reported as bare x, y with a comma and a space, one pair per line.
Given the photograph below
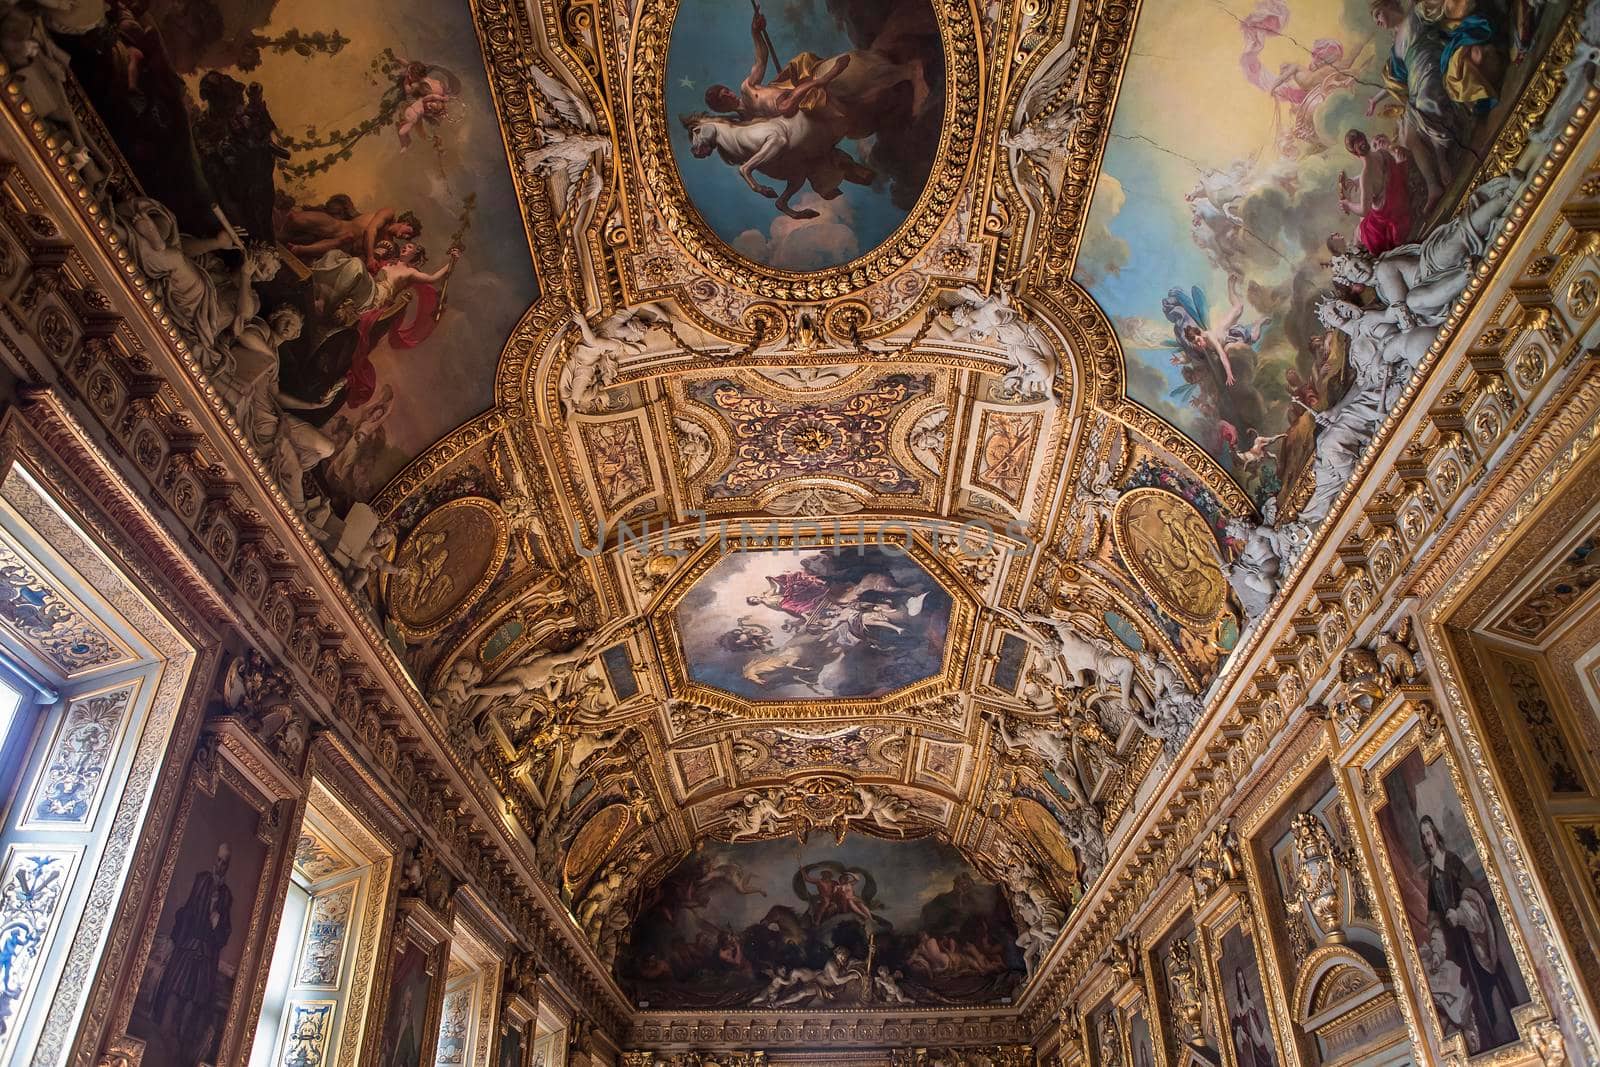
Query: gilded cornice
1432, 458
149, 400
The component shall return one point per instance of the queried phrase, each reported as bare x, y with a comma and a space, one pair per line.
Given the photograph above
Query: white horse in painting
794, 149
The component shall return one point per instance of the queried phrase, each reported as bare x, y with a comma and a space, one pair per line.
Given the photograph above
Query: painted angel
1200, 344
1303, 89
573, 147
426, 93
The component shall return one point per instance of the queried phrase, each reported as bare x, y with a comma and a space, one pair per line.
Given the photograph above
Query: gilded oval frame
1160, 595
958, 136
494, 558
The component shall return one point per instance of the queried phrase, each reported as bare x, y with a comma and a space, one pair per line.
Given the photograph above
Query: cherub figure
428, 91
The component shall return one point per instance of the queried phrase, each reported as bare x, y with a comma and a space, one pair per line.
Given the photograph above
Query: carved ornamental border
965, 85
117, 365
1509, 368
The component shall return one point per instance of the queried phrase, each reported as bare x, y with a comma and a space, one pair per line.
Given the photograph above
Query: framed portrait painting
407, 1039
1141, 1044
1247, 1026
188, 997
513, 1048
1448, 906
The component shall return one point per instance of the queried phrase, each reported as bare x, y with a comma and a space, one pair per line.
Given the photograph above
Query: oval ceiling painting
804, 134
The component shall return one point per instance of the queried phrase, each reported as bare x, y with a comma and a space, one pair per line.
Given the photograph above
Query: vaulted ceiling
800, 451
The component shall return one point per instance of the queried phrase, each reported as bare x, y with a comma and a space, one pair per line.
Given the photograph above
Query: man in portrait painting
1465, 920
510, 1046
1252, 1038
1451, 997
407, 1050
184, 1000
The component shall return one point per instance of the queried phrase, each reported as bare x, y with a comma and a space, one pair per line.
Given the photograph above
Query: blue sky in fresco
711, 44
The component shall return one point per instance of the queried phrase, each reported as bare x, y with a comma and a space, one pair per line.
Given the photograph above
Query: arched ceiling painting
832, 550
358, 142
1228, 184
777, 924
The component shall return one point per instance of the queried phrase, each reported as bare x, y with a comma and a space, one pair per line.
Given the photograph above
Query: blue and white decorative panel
50, 624
306, 1040
455, 1021
33, 886
323, 949
72, 780
550, 1050
316, 858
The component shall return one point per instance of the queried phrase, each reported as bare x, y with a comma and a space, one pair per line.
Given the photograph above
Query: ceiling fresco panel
839, 622
763, 924
849, 94
359, 141
1252, 141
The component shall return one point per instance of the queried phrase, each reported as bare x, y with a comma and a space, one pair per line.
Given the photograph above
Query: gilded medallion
448, 560
1172, 554
1034, 820
594, 843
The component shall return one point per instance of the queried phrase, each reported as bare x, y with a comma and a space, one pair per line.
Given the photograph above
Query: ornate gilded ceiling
819, 439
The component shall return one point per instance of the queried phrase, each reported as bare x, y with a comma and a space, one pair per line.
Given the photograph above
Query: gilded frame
415, 924
1127, 1002
1313, 753
237, 760
1163, 1030
1234, 911
958, 660
1407, 732
966, 84
349, 800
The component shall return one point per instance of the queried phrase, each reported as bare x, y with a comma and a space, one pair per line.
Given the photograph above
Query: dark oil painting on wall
405, 1037
513, 1044
184, 997
773, 924
1249, 1026
1450, 911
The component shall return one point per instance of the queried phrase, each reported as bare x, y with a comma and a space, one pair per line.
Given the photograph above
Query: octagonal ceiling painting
776, 924
838, 622
804, 134
354, 148
1254, 139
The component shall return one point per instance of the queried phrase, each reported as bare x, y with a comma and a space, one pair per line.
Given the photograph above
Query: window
331, 914
20, 698
285, 954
